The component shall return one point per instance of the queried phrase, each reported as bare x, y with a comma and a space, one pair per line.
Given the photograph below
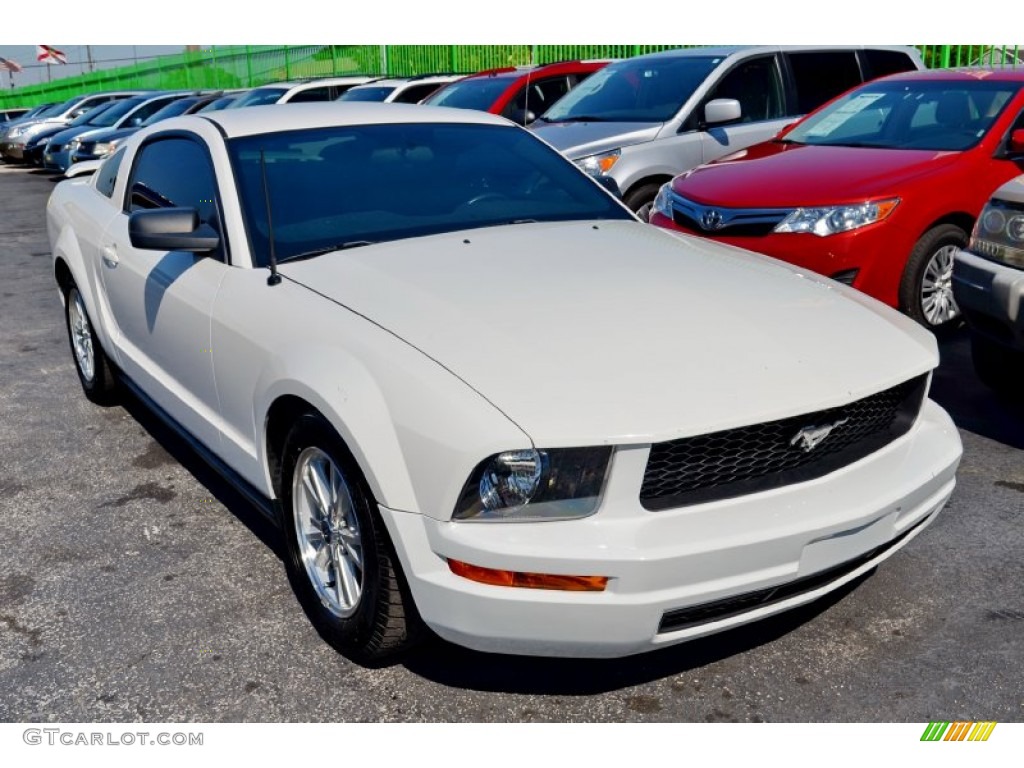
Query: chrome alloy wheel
327, 531
937, 301
81, 336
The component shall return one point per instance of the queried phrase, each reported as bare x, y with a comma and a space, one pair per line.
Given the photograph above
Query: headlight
17, 130
557, 484
74, 144
663, 201
599, 165
102, 148
835, 219
999, 233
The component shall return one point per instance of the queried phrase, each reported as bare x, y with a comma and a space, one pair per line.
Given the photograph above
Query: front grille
744, 460
715, 220
684, 618
54, 147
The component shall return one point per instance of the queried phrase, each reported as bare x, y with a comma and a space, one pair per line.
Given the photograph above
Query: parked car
877, 189
13, 146
401, 90
517, 93
646, 119
319, 89
486, 408
222, 103
64, 148
128, 114
7, 115
41, 111
988, 282
32, 152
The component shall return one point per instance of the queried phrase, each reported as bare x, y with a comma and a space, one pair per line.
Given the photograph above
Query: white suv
320, 89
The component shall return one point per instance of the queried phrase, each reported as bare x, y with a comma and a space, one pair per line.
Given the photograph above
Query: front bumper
662, 563
13, 150
57, 161
991, 296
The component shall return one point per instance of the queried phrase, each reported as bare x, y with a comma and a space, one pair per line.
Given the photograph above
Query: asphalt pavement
136, 586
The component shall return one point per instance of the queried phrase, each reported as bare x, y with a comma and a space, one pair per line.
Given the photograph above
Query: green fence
249, 66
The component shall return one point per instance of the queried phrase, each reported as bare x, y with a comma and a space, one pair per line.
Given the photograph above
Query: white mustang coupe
478, 395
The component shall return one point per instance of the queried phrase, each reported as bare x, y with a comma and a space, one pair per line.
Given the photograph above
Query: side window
174, 173
106, 176
822, 75
756, 85
416, 93
881, 63
322, 93
537, 96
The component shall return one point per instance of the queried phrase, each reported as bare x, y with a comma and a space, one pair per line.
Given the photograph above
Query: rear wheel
926, 290
95, 371
340, 560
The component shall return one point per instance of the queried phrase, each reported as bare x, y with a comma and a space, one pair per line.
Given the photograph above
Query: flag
47, 53
9, 65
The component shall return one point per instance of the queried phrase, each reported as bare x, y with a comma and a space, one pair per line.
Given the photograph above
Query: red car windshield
902, 114
474, 93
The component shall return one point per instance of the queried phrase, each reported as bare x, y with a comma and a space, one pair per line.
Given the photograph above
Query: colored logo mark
958, 731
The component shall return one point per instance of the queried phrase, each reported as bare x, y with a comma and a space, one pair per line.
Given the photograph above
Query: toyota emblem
711, 220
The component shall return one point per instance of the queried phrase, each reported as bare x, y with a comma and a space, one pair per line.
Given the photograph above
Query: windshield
634, 91
175, 108
115, 112
474, 93
86, 118
932, 115
220, 103
353, 185
375, 93
260, 96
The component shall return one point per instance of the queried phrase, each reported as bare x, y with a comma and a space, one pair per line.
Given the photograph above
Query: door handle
109, 254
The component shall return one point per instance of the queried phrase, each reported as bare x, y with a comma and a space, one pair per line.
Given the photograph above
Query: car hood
66, 135
773, 174
576, 140
586, 333
108, 134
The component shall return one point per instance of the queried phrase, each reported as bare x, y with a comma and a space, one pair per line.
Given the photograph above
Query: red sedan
877, 189
520, 94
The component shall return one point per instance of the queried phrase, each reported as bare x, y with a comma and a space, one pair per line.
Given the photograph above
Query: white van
643, 120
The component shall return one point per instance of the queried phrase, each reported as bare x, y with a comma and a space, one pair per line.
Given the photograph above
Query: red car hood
777, 175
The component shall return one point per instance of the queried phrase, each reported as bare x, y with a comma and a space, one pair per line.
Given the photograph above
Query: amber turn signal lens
528, 580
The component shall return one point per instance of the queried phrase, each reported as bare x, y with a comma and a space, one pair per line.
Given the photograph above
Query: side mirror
610, 184
721, 111
135, 121
171, 229
1016, 144
523, 116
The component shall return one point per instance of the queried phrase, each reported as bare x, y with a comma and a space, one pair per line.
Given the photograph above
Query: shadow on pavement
973, 406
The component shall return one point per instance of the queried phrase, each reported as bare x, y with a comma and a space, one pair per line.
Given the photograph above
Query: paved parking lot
134, 585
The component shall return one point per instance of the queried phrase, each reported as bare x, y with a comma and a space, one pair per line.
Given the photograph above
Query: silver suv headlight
554, 484
999, 233
599, 165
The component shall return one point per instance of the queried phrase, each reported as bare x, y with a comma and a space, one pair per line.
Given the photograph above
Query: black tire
1000, 368
639, 199
937, 245
99, 383
383, 622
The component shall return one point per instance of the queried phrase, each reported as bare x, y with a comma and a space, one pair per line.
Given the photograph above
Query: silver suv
643, 120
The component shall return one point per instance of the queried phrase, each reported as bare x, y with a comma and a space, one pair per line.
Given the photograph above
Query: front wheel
340, 560
640, 199
94, 368
926, 290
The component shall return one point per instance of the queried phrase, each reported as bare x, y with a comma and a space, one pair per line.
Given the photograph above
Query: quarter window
106, 177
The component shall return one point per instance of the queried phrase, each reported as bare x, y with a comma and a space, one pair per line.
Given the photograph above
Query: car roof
729, 50
273, 119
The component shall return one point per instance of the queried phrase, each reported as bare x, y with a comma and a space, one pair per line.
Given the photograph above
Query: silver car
644, 120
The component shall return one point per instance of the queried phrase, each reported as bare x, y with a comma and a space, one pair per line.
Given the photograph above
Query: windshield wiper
786, 141
576, 119
326, 249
